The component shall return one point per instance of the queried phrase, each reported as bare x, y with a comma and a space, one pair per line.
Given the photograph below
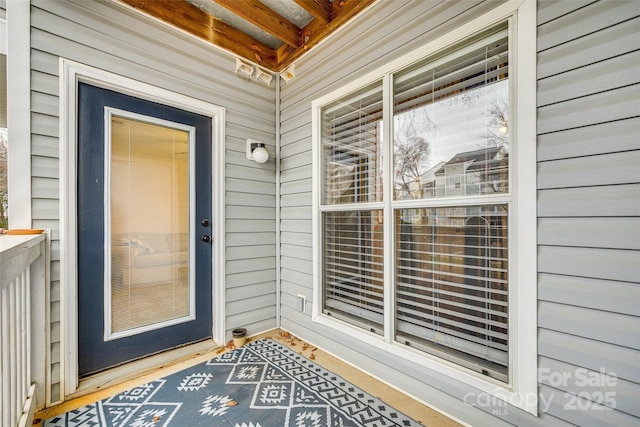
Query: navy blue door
143, 227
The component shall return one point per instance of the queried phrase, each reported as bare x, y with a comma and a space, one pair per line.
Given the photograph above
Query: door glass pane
149, 223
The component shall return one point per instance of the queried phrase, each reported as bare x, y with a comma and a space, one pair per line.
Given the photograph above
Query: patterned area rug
263, 384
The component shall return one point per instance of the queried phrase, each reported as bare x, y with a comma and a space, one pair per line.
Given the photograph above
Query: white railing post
23, 267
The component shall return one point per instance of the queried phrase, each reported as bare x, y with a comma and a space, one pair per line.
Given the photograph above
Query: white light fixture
243, 68
263, 77
256, 151
288, 73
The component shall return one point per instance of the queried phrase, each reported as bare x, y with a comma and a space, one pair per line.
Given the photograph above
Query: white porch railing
23, 270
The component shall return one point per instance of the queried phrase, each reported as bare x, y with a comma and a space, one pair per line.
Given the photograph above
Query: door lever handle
206, 238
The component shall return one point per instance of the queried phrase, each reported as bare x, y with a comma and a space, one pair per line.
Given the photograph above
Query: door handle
206, 238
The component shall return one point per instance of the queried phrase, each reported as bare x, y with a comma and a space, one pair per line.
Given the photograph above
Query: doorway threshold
167, 361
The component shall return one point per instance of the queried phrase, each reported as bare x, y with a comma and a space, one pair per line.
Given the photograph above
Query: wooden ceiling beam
319, 9
265, 18
198, 23
316, 30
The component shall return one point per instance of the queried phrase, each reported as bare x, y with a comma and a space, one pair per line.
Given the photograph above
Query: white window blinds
451, 263
351, 145
452, 284
353, 267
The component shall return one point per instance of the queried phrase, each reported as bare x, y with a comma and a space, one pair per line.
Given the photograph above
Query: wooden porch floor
402, 402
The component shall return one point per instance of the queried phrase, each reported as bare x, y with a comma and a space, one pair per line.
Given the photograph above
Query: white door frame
70, 74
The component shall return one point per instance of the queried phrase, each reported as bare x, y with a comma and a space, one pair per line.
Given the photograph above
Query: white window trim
70, 74
522, 391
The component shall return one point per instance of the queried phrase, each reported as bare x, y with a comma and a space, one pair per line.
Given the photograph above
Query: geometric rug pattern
262, 384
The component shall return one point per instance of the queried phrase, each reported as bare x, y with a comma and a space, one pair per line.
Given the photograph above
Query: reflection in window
451, 123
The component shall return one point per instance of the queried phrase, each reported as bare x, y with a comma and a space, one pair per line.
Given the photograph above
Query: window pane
451, 122
149, 214
351, 148
452, 285
352, 269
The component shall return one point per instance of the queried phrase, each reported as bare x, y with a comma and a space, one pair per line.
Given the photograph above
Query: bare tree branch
411, 147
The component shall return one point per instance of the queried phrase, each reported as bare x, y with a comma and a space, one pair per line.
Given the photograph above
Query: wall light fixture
256, 151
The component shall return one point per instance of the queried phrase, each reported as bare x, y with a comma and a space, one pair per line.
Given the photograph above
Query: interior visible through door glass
149, 223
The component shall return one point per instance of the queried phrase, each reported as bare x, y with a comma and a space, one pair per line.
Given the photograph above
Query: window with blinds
352, 176
353, 262
449, 203
452, 284
451, 266
351, 147
451, 112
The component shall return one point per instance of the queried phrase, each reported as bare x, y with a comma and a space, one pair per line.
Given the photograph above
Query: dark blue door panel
94, 354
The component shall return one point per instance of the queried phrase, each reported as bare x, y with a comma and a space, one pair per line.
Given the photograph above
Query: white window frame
521, 391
